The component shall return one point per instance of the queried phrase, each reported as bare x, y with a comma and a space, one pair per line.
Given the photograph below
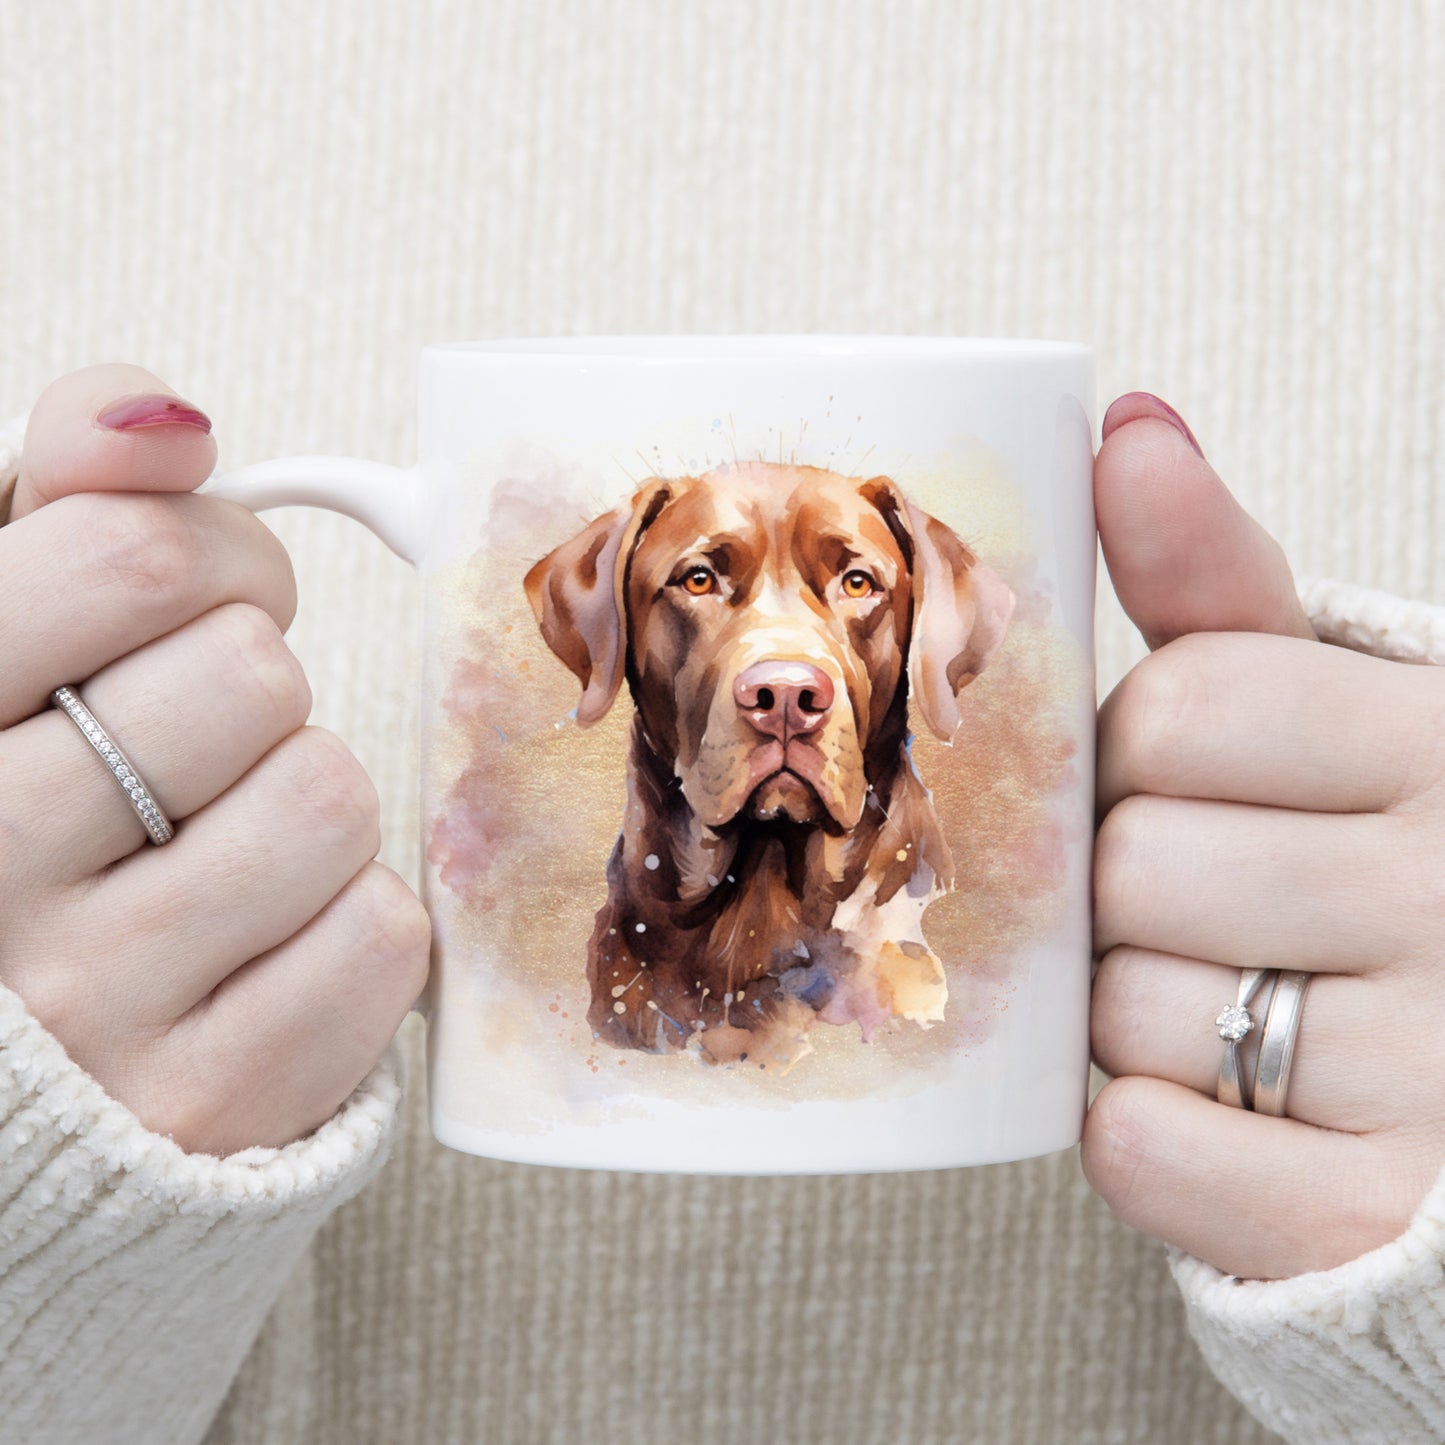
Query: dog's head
766, 617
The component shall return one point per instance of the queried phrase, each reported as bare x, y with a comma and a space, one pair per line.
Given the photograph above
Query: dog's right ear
576, 592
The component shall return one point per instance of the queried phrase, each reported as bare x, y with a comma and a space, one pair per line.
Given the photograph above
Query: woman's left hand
1266, 801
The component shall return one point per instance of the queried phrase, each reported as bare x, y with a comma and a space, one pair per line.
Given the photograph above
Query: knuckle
332, 787
51, 996
1387, 1208
17, 840
107, 1042
262, 662
16, 843
1117, 867
1423, 859
174, 1104
1115, 1015
1115, 1144
1368, 1195
1160, 703
1422, 757
394, 926
1411, 848
196, 1083
1407, 1180
1111, 849
189, 1109
267, 552
141, 544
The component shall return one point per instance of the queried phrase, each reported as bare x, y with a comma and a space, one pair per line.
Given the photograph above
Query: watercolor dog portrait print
752, 848
778, 848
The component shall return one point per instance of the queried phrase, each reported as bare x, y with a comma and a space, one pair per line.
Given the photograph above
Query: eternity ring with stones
1234, 1022
157, 825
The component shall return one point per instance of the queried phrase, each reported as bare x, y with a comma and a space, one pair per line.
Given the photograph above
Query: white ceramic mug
757, 739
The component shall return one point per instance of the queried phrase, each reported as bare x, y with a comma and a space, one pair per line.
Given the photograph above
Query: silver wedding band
1266, 1091
1276, 1043
157, 825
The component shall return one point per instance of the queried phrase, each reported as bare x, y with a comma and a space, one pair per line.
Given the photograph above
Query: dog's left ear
961, 608
576, 592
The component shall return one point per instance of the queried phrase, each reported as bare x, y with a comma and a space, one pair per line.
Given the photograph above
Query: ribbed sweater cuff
1368, 619
125, 1260
1351, 1355
1347, 1356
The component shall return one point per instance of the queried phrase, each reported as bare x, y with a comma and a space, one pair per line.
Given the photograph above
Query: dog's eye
858, 584
699, 581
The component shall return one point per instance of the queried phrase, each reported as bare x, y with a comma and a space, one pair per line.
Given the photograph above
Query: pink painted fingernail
133, 412
1131, 403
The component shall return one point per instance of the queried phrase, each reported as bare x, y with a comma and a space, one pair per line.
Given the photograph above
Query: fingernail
153, 409
1155, 407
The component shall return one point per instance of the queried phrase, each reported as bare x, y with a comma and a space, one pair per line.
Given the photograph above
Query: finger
91, 577
1183, 555
1240, 885
1255, 1196
111, 427
278, 1046
1154, 1014
240, 876
1256, 718
192, 710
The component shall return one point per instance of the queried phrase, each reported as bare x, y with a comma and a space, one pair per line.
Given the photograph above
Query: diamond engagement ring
1276, 1043
1234, 1022
157, 825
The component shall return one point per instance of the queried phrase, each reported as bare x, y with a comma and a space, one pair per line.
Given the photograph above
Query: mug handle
389, 501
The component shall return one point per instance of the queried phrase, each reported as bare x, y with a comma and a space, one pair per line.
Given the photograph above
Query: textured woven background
273, 205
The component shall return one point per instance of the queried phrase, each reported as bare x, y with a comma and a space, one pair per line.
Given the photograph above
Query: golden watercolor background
525, 806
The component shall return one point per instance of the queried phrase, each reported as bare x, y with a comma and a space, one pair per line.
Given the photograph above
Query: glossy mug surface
757, 739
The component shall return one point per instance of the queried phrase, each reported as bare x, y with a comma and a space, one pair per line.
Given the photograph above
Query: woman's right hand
233, 986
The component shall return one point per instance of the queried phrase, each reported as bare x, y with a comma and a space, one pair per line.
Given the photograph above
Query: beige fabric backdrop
274, 205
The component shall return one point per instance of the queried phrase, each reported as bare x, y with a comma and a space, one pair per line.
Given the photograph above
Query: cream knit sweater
272, 206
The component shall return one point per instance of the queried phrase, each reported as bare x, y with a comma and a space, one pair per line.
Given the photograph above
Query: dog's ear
961, 608
576, 592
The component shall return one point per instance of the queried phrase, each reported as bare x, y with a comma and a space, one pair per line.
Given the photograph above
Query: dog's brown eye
857, 584
699, 581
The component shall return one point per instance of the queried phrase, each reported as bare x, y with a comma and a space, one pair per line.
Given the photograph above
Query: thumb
111, 428
1183, 555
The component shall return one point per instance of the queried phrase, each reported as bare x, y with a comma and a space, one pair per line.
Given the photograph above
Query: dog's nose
783, 699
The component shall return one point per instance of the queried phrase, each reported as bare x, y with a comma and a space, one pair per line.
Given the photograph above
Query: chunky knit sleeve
134, 1276
1354, 1355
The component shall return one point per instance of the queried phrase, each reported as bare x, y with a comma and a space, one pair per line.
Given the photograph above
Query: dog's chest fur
724, 928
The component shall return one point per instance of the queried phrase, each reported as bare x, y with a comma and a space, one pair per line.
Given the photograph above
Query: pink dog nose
783, 699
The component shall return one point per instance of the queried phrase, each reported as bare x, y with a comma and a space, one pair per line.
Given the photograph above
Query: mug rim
766, 346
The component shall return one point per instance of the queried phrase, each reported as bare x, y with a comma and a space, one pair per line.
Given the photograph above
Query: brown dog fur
763, 880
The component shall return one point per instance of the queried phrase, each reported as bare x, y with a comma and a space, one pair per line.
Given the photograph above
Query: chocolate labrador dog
778, 848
